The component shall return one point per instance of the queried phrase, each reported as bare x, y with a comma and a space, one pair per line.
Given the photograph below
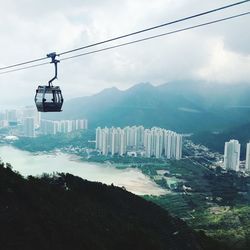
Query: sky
216, 54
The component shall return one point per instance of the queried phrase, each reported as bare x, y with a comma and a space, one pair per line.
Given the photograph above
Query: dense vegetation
218, 201
66, 212
116, 159
226, 223
211, 189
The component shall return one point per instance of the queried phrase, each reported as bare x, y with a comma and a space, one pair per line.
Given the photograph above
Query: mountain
66, 212
182, 106
216, 140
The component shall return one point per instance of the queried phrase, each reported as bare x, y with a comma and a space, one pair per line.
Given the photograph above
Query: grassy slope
210, 190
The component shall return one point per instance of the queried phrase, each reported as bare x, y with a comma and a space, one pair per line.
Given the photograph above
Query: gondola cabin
49, 99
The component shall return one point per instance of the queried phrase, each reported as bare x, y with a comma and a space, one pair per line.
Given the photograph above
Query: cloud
225, 66
31, 29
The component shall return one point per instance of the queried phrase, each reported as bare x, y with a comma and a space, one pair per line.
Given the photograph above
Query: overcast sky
219, 54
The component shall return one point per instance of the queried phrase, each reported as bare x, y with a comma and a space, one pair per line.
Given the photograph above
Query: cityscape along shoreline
130, 141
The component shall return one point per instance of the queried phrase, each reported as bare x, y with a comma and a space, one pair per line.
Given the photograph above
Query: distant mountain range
65, 212
182, 106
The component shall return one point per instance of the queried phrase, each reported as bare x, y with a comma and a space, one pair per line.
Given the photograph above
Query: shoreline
133, 179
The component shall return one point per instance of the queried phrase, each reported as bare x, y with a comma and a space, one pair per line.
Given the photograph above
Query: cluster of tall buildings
154, 142
62, 126
23, 121
27, 122
232, 156
14, 117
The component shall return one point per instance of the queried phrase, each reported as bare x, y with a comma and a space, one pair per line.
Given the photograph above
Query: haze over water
36, 164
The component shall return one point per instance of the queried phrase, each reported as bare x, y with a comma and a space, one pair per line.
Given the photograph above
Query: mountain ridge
180, 106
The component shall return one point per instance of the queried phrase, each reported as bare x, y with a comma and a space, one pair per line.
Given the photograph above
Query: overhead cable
130, 34
23, 68
156, 36
154, 27
135, 41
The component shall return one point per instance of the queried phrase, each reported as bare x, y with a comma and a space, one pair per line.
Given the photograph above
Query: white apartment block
232, 155
11, 115
154, 142
248, 157
29, 127
31, 111
63, 126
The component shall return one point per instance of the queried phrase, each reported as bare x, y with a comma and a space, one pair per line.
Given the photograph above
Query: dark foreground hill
66, 212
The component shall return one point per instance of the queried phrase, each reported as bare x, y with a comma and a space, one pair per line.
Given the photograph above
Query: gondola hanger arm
55, 61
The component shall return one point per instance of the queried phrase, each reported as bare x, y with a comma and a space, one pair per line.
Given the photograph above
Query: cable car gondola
49, 98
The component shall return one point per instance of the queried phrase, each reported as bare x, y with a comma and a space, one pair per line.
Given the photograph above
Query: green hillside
66, 212
215, 141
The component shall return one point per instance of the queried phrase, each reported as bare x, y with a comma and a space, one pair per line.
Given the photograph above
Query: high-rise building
63, 126
66, 126
11, 116
139, 137
156, 142
147, 142
172, 145
82, 124
4, 123
248, 157
115, 143
123, 143
167, 144
49, 127
105, 147
31, 111
178, 150
29, 127
2, 116
232, 155
98, 138
79, 124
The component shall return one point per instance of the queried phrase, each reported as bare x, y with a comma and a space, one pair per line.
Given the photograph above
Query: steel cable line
154, 27
23, 63
135, 41
159, 35
27, 67
130, 34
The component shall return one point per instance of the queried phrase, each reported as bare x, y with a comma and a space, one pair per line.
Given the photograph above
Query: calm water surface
36, 164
